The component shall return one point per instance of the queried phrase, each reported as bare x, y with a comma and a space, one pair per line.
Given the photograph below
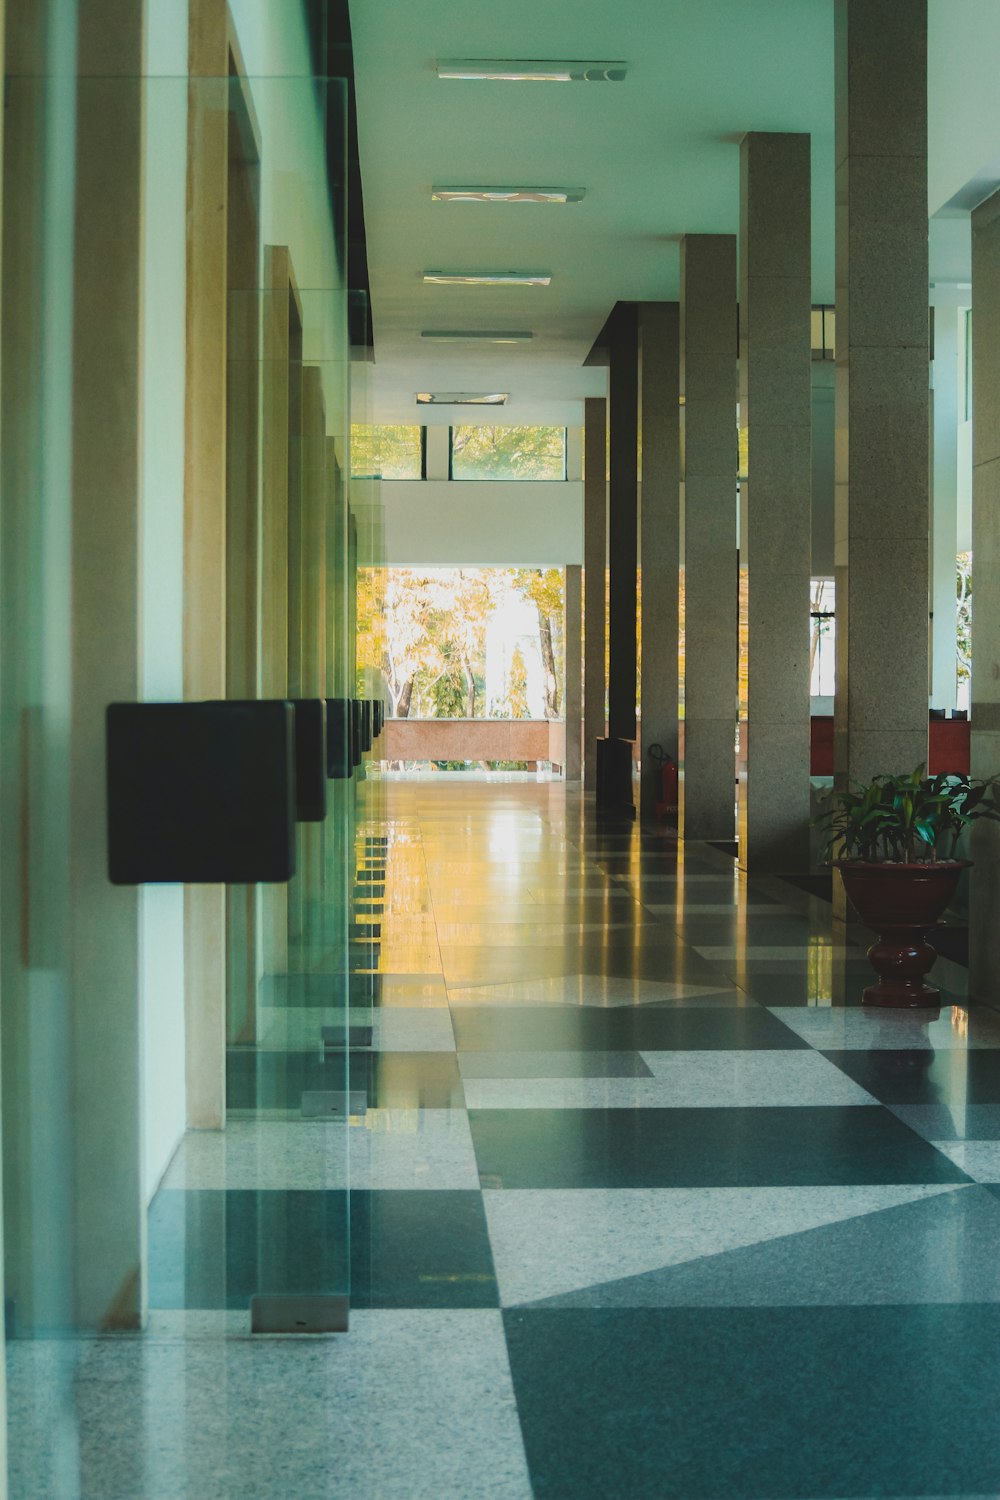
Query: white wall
461, 523
963, 100
161, 563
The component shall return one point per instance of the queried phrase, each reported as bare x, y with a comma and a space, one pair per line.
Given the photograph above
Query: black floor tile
549, 1028
765, 1403
390, 1080
744, 1147
216, 1249
420, 1249
922, 1076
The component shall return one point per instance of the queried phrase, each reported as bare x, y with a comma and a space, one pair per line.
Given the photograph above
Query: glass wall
129, 1011
377, 452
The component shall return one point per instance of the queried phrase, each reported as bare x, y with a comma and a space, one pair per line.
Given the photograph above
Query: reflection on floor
642, 1205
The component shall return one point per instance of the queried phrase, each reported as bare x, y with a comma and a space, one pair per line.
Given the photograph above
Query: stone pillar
437, 452
573, 671
944, 508
775, 499
708, 390
882, 388
984, 905
623, 498
660, 518
595, 564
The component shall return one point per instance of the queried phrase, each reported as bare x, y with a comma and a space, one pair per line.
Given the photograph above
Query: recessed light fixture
489, 278
461, 398
481, 336
506, 195
521, 70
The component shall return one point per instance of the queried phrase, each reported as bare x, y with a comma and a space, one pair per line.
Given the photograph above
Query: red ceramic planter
900, 902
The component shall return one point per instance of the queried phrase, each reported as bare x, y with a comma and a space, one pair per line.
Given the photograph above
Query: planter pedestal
901, 958
900, 902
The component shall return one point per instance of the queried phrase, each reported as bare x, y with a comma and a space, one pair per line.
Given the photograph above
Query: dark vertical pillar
595, 569
623, 450
659, 485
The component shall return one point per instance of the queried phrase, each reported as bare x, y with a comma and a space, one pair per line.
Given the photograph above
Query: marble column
595, 566
660, 517
623, 522
775, 499
984, 904
882, 511
573, 672
708, 509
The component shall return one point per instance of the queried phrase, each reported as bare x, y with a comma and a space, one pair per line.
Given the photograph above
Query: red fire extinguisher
668, 780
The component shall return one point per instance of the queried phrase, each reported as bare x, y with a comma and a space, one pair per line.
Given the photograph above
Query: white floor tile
410, 1405
683, 1080
386, 1148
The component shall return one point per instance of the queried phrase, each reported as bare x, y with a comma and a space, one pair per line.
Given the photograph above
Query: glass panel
36, 526
277, 1227
393, 448
278, 541
508, 453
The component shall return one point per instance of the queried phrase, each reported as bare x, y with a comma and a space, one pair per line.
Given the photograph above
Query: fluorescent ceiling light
483, 336
506, 195
489, 278
520, 70
460, 398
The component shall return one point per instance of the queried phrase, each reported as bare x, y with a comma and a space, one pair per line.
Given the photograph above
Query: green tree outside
508, 453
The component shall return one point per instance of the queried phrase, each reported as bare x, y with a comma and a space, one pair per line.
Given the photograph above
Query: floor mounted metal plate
318, 1104
352, 1037
283, 1312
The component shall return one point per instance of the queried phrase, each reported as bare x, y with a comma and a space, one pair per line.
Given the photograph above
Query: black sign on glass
310, 759
201, 793
356, 731
339, 761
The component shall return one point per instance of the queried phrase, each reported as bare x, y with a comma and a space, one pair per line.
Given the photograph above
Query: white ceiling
658, 156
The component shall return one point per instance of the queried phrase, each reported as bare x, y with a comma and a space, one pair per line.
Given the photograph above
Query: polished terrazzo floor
642, 1205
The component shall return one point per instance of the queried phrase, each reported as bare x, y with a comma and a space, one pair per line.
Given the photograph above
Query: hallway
639, 1202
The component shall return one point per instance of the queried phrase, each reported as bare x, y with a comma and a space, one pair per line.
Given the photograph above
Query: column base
614, 777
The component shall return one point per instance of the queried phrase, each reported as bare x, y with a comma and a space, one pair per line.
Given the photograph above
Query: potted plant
894, 843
